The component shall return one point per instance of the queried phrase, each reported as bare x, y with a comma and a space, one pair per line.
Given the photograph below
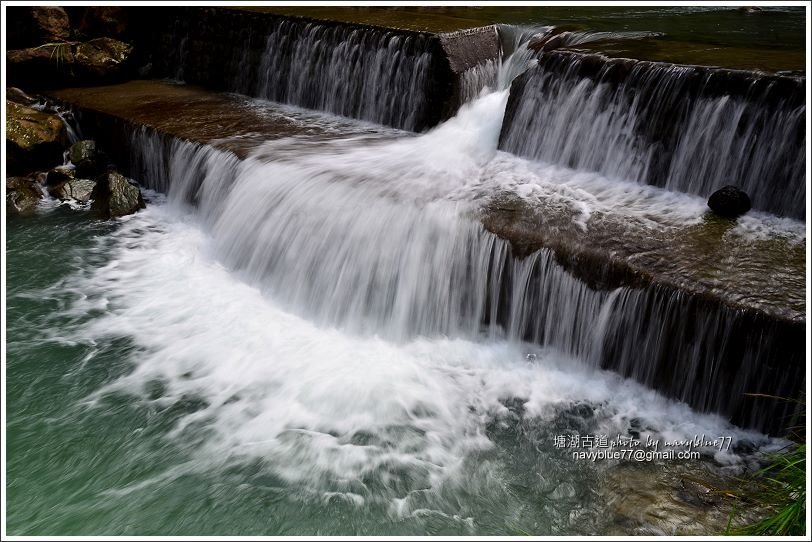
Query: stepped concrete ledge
760, 272
231, 49
647, 45
713, 80
714, 259
747, 276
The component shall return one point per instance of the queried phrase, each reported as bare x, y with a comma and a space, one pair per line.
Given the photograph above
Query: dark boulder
59, 175
100, 60
729, 202
114, 195
29, 26
86, 158
34, 140
22, 196
104, 21
18, 96
45, 66
80, 190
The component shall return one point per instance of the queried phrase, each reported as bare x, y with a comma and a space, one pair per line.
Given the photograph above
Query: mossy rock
22, 196
86, 157
102, 58
114, 195
34, 140
52, 65
80, 190
26, 26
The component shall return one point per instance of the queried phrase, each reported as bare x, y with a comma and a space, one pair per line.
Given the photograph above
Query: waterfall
666, 125
381, 234
374, 74
382, 238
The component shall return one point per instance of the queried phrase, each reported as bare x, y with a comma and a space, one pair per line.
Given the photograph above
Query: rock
59, 175
18, 96
729, 202
145, 70
28, 26
46, 66
22, 196
34, 140
80, 190
85, 157
50, 23
744, 447
102, 58
696, 493
96, 61
104, 21
63, 183
115, 195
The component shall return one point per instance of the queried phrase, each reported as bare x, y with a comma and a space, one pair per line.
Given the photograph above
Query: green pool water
94, 448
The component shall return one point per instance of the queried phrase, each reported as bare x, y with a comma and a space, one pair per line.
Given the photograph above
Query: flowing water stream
300, 343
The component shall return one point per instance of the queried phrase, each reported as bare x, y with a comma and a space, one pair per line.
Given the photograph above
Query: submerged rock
729, 202
22, 196
114, 195
34, 139
28, 26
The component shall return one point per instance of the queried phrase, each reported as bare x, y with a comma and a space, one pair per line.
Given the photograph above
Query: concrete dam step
691, 129
623, 276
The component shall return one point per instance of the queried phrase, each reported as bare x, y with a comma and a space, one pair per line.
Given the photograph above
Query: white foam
322, 408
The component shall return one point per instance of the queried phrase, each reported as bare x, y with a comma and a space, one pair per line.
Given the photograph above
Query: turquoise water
124, 337
76, 469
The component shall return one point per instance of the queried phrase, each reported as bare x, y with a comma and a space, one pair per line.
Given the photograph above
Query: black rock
729, 202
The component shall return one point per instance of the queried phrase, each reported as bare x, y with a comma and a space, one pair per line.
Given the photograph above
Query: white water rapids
324, 300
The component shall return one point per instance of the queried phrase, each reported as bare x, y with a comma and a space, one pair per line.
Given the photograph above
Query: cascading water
664, 125
382, 78
288, 220
325, 326
365, 73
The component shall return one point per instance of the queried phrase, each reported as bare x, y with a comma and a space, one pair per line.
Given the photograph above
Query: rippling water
153, 391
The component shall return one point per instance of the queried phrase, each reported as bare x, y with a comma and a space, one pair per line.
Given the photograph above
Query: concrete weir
399, 78
686, 128
663, 309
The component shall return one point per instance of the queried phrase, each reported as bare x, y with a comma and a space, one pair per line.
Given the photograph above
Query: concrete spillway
685, 128
702, 310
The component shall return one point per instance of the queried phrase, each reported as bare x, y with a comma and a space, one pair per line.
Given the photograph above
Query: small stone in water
729, 202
